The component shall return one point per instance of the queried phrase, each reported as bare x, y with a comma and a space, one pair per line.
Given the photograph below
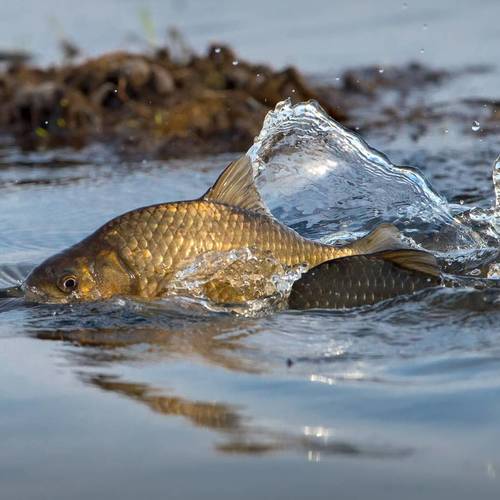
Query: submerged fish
138, 254
361, 280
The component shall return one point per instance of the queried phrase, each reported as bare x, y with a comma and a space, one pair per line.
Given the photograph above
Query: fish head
78, 275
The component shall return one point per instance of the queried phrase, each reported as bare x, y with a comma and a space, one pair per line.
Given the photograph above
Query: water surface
401, 400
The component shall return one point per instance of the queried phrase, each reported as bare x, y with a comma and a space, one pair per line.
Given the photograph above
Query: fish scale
176, 238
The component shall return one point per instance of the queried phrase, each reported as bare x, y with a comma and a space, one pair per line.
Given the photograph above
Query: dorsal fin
414, 260
383, 237
236, 187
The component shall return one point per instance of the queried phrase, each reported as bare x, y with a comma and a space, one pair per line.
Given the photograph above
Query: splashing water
496, 184
494, 270
327, 183
247, 283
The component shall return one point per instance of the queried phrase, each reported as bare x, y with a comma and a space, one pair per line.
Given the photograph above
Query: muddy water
401, 400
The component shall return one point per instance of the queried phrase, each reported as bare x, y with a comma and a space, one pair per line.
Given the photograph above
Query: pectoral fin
236, 187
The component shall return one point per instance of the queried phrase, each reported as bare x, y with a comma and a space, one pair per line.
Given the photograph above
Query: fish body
359, 280
156, 242
140, 252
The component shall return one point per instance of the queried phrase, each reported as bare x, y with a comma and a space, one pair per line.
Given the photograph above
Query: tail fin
385, 242
383, 237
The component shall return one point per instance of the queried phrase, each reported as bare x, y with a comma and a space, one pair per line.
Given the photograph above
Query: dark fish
363, 279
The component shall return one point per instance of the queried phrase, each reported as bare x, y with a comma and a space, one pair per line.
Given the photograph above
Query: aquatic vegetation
151, 104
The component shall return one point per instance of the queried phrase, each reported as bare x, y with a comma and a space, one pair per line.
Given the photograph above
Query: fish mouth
12, 292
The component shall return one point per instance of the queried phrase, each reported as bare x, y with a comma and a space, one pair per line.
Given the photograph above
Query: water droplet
115, 91
337, 78
424, 27
46, 122
494, 271
475, 126
422, 51
491, 470
446, 130
235, 63
313, 456
461, 202
293, 91
381, 70
405, 5
217, 50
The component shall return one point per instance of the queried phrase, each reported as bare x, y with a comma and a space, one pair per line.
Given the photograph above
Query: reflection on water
215, 339
239, 435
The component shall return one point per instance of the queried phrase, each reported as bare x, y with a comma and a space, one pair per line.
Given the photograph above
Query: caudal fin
383, 237
385, 242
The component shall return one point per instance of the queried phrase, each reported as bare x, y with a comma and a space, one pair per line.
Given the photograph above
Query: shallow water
400, 400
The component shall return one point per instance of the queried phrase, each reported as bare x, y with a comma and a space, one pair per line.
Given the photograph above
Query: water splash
496, 185
243, 281
494, 270
326, 182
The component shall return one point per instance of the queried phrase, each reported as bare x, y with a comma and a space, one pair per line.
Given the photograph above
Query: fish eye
68, 284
